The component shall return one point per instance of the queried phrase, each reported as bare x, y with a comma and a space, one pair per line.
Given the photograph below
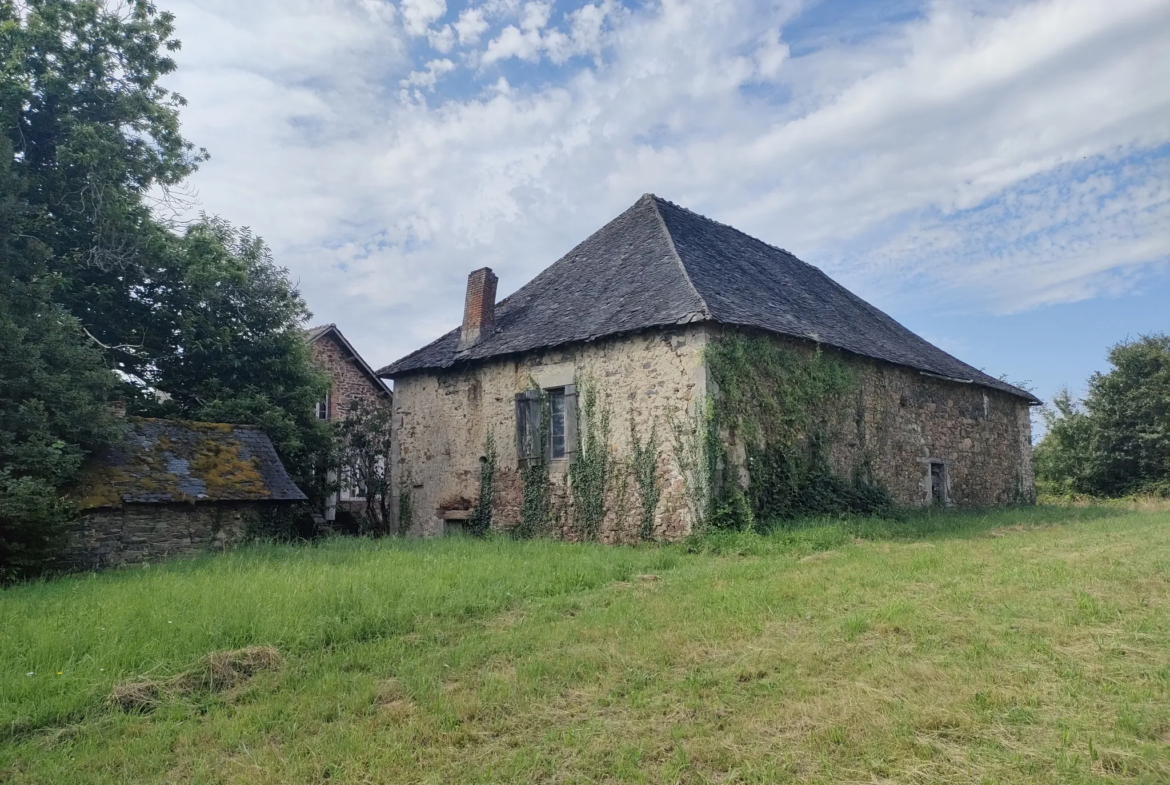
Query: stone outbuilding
175, 488
637, 314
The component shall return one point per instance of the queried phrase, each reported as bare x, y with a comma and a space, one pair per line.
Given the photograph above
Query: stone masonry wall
350, 383
900, 420
140, 533
442, 419
903, 420
896, 423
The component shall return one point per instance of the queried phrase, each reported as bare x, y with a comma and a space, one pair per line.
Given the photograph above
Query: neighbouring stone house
174, 488
675, 322
352, 381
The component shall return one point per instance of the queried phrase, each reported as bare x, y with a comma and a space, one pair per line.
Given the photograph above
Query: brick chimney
479, 310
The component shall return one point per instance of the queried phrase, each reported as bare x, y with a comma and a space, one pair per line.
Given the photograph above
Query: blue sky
995, 175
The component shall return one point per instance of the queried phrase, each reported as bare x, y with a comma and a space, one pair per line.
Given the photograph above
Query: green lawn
1019, 646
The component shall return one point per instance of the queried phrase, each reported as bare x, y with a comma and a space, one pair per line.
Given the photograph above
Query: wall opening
938, 484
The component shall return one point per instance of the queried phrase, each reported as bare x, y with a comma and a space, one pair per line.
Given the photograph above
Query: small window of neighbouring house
546, 424
938, 484
323, 407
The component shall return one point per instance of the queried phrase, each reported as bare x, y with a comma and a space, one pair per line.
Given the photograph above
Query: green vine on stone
697, 450
535, 509
590, 467
645, 466
480, 522
783, 406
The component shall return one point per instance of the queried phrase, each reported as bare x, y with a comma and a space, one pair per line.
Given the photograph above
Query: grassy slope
939, 650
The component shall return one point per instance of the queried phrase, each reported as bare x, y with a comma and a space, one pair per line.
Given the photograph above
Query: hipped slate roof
658, 264
161, 461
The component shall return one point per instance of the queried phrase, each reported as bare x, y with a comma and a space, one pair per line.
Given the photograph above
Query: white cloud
470, 26
417, 15
435, 70
442, 40
992, 157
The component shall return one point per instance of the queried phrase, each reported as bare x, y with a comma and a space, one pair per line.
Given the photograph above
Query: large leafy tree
1118, 441
53, 387
226, 345
99, 298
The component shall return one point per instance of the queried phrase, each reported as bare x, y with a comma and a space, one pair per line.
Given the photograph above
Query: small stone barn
698, 369
175, 488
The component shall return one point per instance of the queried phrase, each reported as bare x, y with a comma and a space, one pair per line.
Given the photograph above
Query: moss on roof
166, 461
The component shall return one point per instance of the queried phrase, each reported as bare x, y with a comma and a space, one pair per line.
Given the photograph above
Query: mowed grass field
1025, 645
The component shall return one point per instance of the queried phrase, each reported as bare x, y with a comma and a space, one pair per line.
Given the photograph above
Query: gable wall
442, 419
350, 383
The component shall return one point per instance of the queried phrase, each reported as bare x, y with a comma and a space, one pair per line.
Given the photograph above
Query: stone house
352, 381
638, 313
174, 488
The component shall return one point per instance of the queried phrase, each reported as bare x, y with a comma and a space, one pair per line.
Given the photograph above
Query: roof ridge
737, 230
703, 308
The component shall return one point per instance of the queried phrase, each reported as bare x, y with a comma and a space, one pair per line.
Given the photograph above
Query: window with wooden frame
554, 438
324, 407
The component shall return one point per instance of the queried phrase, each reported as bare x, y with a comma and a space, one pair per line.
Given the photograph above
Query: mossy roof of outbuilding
167, 461
657, 265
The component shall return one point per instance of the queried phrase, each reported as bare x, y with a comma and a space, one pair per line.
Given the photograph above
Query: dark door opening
938, 484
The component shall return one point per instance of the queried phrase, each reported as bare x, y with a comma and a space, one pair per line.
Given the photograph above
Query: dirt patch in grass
218, 671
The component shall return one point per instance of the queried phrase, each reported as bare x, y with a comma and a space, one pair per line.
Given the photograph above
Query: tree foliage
1117, 441
365, 458
99, 297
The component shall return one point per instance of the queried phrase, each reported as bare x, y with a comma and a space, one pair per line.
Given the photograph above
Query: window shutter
527, 426
571, 444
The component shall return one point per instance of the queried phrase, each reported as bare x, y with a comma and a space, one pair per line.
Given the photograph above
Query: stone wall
138, 533
442, 420
899, 421
904, 420
895, 424
350, 382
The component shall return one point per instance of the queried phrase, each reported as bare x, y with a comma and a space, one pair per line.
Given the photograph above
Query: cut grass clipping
217, 672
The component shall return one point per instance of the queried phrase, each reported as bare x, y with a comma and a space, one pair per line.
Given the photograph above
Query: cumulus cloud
994, 156
470, 26
434, 71
417, 15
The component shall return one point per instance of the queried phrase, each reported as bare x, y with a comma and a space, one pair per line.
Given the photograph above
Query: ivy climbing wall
875, 424
442, 421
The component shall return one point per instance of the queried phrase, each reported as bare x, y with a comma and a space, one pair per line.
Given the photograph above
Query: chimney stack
479, 310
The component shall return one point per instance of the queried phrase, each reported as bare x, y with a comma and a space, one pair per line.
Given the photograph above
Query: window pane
557, 425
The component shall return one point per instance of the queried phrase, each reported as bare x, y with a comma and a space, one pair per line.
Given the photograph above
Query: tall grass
66, 642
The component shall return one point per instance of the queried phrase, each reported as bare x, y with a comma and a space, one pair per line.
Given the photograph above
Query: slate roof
658, 264
161, 461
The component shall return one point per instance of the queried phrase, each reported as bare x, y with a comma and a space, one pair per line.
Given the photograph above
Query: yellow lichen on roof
222, 468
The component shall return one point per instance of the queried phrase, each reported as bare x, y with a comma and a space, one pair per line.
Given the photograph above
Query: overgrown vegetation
985, 646
480, 522
782, 405
589, 471
1117, 441
644, 460
365, 437
536, 502
199, 324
